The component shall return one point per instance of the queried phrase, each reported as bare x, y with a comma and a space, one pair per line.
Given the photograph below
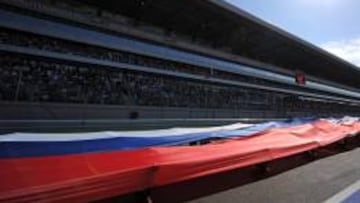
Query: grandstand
142, 60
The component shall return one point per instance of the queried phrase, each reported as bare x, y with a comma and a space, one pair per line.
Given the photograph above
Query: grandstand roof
223, 25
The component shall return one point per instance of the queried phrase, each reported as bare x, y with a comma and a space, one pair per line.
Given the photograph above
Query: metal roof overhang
220, 24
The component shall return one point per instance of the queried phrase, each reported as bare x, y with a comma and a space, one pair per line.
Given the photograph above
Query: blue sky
331, 24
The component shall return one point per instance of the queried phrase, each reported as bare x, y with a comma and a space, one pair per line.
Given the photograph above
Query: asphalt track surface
313, 182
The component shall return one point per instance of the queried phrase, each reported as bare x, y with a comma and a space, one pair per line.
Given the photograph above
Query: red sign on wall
300, 79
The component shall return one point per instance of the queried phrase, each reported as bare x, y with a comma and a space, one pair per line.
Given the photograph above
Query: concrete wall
55, 111
54, 117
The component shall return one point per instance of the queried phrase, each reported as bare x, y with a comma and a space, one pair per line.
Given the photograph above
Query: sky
333, 25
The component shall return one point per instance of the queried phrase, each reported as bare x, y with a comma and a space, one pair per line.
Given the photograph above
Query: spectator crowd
35, 79
17, 38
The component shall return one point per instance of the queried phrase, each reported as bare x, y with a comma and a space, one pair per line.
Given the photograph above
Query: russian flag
92, 166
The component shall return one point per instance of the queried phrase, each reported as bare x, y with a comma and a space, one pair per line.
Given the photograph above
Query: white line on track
347, 192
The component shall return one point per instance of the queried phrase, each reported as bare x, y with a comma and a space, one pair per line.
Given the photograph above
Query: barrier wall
52, 117
53, 111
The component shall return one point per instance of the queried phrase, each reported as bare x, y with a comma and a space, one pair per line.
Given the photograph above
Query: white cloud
346, 49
